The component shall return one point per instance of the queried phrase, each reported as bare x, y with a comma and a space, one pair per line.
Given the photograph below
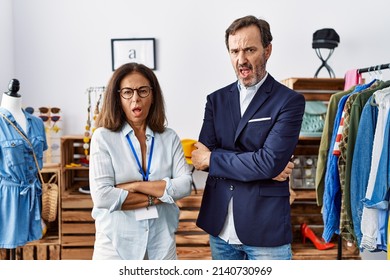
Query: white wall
63, 47
57, 49
6, 44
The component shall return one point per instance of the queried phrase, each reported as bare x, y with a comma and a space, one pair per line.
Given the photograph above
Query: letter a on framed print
140, 50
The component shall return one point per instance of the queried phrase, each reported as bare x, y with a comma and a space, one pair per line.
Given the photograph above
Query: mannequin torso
14, 106
20, 188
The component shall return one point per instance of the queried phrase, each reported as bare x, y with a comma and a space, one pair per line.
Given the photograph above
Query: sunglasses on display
52, 118
55, 146
43, 110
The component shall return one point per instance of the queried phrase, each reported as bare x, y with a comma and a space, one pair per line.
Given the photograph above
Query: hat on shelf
326, 38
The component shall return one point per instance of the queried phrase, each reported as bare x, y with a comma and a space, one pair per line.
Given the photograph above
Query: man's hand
285, 173
200, 156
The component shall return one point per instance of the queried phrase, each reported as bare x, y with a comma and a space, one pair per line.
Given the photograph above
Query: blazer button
231, 188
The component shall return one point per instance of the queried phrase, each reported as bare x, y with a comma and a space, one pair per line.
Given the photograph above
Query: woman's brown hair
112, 115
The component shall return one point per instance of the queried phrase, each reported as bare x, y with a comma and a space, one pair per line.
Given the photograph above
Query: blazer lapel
234, 105
260, 97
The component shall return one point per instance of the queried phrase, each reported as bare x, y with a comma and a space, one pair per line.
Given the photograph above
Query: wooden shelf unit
315, 89
304, 208
78, 227
192, 243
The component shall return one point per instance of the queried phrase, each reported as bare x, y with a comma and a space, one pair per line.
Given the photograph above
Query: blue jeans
221, 250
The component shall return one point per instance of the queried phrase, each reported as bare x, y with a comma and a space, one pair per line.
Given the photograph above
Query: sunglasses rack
52, 119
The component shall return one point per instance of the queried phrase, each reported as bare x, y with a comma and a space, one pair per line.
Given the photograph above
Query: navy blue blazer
247, 152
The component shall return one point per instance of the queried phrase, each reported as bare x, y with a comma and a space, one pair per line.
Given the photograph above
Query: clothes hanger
378, 74
370, 74
372, 101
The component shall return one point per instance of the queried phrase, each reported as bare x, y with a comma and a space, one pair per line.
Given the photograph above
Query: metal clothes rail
374, 68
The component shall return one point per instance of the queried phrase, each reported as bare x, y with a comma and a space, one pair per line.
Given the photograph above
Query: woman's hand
131, 186
153, 188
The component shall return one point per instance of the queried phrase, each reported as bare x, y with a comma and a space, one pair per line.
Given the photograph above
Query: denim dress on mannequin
20, 187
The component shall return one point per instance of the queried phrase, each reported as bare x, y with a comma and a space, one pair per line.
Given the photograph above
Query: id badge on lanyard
151, 211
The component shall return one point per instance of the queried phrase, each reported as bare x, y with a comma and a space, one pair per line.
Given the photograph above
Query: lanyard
144, 176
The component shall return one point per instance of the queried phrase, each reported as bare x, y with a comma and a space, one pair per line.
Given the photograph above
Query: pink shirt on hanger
352, 78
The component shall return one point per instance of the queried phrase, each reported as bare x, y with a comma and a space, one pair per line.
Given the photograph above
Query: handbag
313, 119
49, 199
49, 190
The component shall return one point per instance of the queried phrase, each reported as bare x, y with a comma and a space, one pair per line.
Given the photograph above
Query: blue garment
222, 250
20, 187
380, 197
361, 164
332, 190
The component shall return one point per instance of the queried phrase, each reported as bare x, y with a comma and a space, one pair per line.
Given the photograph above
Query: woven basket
50, 199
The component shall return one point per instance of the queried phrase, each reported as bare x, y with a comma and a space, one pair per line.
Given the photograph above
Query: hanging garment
332, 195
380, 196
361, 164
20, 188
352, 78
350, 131
374, 203
325, 143
332, 190
345, 230
346, 227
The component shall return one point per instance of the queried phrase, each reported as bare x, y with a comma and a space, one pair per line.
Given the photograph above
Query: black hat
326, 38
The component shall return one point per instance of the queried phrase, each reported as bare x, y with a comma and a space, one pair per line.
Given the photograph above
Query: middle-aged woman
137, 170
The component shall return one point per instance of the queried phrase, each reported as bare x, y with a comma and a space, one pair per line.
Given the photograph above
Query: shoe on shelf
85, 190
318, 243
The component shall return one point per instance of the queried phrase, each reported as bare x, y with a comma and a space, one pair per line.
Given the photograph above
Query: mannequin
20, 186
12, 101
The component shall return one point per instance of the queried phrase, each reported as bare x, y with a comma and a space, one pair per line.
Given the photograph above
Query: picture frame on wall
140, 50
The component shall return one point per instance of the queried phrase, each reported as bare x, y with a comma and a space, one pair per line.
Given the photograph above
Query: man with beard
249, 133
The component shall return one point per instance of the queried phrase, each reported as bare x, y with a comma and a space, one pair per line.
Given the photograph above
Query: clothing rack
359, 71
374, 68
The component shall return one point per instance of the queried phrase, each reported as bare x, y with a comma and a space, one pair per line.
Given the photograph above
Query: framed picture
140, 50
